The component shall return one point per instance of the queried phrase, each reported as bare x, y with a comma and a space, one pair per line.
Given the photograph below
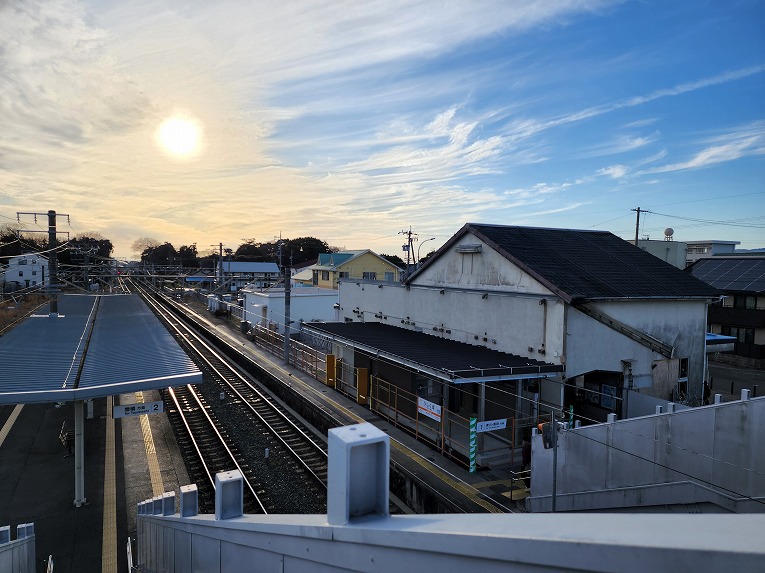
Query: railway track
209, 450
284, 463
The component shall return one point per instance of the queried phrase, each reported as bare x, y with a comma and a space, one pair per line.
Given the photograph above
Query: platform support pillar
481, 414
79, 454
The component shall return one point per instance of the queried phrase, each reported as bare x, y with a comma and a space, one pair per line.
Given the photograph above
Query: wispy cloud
614, 171
748, 140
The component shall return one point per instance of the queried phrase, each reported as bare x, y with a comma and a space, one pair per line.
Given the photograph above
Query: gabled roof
732, 273
582, 265
336, 259
329, 261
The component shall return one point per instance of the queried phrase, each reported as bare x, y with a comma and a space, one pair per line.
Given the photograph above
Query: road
725, 378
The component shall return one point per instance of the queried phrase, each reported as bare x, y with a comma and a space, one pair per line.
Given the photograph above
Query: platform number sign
138, 409
473, 439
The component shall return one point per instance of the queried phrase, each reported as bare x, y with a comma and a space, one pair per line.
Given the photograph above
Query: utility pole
410, 238
220, 262
637, 222
52, 255
287, 274
555, 461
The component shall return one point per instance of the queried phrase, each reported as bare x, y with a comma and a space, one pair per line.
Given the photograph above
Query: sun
180, 136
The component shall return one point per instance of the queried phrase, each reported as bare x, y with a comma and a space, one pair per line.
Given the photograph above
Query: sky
353, 121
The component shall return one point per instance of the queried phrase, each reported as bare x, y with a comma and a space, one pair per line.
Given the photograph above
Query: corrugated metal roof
97, 346
446, 359
249, 267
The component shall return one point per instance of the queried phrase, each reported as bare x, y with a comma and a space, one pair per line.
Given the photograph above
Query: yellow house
333, 267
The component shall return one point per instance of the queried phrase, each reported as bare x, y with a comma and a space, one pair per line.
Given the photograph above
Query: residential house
741, 313
331, 268
237, 274
25, 271
575, 321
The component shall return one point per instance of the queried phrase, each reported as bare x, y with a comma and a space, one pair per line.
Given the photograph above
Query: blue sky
352, 121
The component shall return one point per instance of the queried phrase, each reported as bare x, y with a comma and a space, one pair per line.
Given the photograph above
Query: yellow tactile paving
9, 423
109, 546
157, 486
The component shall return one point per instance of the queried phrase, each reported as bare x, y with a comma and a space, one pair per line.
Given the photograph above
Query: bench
66, 437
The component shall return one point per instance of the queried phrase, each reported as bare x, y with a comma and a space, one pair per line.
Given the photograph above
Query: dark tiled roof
582, 265
732, 274
465, 360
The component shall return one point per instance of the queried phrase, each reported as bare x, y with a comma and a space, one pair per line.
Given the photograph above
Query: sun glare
180, 136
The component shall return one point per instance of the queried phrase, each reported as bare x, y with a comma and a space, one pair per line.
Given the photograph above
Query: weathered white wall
306, 306
682, 324
509, 323
717, 446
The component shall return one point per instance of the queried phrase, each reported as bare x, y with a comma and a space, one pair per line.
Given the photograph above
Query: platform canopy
444, 359
95, 346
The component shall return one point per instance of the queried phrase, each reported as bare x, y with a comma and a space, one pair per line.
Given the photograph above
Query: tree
140, 245
395, 259
249, 251
305, 249
189, 256
164, 254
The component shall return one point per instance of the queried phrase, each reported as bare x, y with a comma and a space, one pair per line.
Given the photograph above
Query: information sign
138, 409
429, 409
491, 425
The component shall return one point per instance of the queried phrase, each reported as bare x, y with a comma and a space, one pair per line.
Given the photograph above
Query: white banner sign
490, 425
138, 409
429, 409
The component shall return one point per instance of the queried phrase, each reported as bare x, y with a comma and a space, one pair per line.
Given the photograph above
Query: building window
325, 275
22, 262
21, 273
683, 369
315, 280
344, 275
744, 301
372, 276
743, 335
389, 276
34, 273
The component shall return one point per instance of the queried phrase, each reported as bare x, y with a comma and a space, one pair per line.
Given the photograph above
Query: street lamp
418, 248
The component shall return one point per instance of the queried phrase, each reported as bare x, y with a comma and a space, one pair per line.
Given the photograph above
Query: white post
79, 454
358, 476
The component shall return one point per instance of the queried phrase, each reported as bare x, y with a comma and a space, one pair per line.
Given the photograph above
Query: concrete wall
682, 324
358, 535
488, 543
510, 323
18, 555
718, 447
306, 305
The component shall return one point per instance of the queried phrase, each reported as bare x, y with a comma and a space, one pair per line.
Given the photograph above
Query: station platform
126, 461
493, 489
130, 459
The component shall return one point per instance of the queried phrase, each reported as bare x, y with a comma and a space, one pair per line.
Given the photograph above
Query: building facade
25, 271
616, 320
331, 268
741, 313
